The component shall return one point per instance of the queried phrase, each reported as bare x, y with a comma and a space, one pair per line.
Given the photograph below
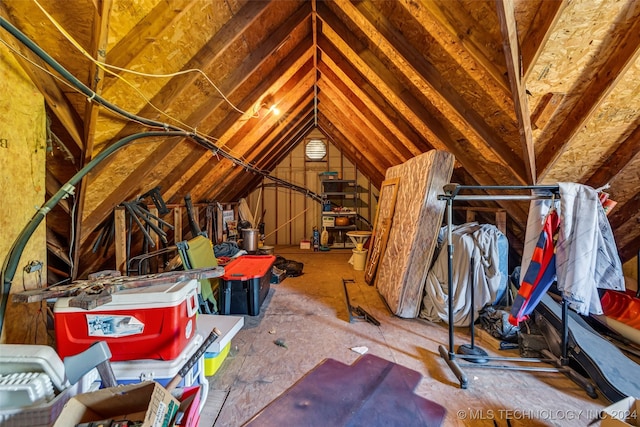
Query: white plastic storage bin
161, 371
21, 358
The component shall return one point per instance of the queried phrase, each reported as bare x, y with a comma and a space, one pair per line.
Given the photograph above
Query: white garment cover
471, 240
586, 253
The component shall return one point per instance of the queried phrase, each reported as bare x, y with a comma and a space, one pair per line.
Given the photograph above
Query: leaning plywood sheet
414, 230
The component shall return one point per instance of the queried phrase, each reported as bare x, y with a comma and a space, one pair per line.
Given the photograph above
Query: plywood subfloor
309, 313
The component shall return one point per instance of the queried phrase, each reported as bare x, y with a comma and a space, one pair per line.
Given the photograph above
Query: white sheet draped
469, 240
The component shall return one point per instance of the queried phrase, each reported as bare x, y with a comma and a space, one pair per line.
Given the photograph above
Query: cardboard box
147, 402
623, 413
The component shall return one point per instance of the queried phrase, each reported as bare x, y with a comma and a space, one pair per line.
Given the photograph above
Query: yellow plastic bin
212, 361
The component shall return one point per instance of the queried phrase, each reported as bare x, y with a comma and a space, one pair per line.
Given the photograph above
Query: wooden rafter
431, 84
534, 40
621, 51
514, 67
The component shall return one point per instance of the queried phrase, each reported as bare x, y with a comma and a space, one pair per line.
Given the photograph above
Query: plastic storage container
44, 360
161, 371
154, 322
245, 284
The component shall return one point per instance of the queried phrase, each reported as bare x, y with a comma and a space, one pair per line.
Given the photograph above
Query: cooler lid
228, 326
248, 267
156, 296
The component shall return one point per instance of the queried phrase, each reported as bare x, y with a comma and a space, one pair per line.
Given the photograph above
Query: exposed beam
339, 140
300, 57
368, 144
463, 47
227, 35
627, 152
165, 14
99, 41
389, 135
511, 46
543, 24
621, 51
241, 142
345, 76
431, 84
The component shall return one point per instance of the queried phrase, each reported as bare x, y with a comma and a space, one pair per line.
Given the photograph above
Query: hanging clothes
540, 273
586, 256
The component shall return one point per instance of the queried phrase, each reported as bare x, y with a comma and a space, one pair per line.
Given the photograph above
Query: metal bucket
266, 250
250, 237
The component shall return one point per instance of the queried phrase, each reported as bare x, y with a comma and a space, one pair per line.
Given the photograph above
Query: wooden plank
99, 41
511, 46
465, 47
120, 242
414, 232
94, 292
381, 226
432, 85
48, 86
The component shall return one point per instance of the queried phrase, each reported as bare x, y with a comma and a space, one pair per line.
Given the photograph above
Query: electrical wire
104, 66
11, 261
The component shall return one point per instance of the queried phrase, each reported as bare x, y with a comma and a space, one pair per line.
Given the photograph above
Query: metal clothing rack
470, 352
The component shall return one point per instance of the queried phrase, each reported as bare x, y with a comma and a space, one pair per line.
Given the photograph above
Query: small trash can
358, 259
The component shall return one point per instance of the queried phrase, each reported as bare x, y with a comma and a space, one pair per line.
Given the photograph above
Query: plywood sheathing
23, 148
609, 124
414, 231
571, 66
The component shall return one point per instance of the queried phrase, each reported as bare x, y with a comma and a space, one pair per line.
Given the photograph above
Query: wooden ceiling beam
617, 54
357, 129
242, 142
340, 42
544, 22
165, 14
228, 180
482, 45
623, 156
387, 132
462, 47
327, 128
363, 150
99, 41
299, 58
168, 93
625, 220
240, 184
507, 18
344, 74
430, 84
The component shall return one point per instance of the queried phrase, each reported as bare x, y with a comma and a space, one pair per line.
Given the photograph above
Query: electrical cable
11, 261
104, 66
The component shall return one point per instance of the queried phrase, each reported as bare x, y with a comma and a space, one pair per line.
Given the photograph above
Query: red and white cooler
154, 322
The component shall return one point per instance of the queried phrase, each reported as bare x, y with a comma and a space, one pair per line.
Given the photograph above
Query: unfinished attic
326, 196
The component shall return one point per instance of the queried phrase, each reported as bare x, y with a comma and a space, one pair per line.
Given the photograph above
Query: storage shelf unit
342, 193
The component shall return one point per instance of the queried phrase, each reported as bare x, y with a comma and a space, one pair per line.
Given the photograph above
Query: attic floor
309, 313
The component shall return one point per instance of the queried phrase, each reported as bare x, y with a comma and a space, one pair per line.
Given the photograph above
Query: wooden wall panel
286, 209
23, 148
414, 230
